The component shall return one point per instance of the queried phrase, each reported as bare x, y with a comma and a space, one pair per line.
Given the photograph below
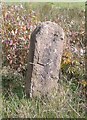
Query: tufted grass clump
64, 104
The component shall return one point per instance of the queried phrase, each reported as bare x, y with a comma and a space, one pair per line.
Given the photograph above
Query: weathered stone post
44, 59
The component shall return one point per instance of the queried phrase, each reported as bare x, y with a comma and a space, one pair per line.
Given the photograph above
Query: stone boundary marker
44, 59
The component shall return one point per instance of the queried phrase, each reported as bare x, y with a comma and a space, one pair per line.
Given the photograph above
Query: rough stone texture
46, 48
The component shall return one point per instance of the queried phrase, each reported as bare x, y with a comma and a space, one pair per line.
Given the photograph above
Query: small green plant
12, 81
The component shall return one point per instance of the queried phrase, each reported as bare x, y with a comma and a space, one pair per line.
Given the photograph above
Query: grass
65, 104
35, 5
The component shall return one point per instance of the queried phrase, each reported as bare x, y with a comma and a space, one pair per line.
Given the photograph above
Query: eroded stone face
47, 45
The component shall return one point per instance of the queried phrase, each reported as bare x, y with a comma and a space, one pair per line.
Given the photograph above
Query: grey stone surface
46, 48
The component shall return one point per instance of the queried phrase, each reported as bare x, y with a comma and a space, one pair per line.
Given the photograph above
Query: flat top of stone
52, 26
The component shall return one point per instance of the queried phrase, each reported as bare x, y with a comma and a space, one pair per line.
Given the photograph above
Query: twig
74, 110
